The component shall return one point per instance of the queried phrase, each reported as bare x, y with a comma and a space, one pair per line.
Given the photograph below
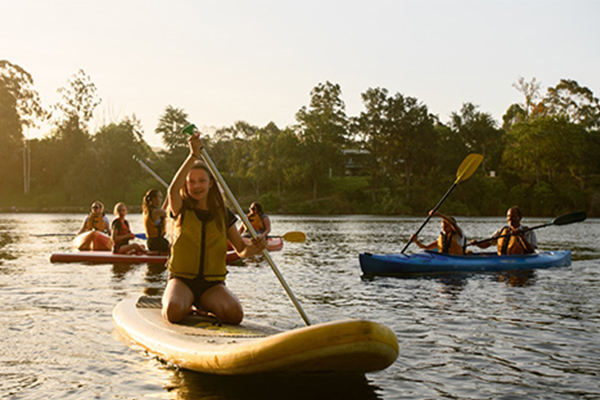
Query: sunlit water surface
534, 335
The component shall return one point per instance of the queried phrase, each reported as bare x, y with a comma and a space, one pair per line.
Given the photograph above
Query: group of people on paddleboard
510, 239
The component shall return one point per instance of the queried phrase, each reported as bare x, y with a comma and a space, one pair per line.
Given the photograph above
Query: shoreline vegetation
396, 157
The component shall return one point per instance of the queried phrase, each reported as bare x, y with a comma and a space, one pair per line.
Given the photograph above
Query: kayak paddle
464, 172
566, 219
294, 237
190, 130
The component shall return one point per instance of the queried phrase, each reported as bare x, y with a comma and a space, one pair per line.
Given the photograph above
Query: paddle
294, 237
190, 130
566, 219
149, 170
464, 172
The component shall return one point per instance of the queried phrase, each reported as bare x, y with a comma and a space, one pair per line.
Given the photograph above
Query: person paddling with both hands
513, 238
203, 225
451, 239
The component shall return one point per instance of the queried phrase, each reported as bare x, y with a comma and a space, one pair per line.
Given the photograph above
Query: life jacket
120, 228
96, 221
154, 229
199, 247
510, 244
256, 220
447, 243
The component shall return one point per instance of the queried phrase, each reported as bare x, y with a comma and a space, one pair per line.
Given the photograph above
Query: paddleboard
108, 257
200, 344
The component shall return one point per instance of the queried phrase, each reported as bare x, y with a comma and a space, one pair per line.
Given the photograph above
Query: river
535, 335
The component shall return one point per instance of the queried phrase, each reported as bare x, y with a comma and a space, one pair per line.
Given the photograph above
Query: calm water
535, 335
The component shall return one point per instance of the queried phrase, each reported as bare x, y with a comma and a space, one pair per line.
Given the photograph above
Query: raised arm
174, 192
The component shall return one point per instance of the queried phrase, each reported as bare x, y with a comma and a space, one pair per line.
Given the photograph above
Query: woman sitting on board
451, 239
203, 225
155, 222
516, 241
121, 234
259, 220
98, 226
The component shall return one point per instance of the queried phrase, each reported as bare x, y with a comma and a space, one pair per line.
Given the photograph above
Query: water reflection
154, 278
188, 385
5, 240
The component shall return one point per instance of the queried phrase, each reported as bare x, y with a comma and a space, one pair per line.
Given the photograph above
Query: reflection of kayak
349, 346
429, 262
108, 257
274, 243
92, 240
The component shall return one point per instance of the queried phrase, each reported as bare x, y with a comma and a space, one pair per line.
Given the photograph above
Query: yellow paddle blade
468, 166
295, 237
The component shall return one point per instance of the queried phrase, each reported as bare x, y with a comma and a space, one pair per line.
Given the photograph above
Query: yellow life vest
96, 221
256, 220
199, 248
449, 244
510, 244
153, 229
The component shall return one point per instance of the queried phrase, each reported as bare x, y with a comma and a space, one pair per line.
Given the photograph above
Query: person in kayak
98, 226
259, 220
451, 239
121, 233
203, 225
155, 224
513, 238
96, 220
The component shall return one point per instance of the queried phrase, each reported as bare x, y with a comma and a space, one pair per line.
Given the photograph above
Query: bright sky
257, 61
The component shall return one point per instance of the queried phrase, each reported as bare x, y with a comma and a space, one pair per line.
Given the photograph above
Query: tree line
395, 157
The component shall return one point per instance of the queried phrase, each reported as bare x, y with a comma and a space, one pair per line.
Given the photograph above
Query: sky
224, 61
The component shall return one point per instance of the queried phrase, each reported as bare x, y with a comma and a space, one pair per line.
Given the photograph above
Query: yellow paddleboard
198, 344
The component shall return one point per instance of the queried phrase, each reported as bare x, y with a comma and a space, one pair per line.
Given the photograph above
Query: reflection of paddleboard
349, 346
92, 240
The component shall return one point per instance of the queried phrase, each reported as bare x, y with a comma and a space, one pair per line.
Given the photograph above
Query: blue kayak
432, 262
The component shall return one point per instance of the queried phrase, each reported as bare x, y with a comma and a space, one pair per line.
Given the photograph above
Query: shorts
198, 286
159, 244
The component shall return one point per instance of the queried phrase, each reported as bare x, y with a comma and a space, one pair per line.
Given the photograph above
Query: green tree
117, 173
547, 147
78, 102
577, 103
371, 128
410, 135
170, 124
19, 107
323, 128
478, 132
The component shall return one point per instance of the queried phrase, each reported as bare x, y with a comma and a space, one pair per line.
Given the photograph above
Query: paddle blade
295, 237
570, 218
141, 236
468, 166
